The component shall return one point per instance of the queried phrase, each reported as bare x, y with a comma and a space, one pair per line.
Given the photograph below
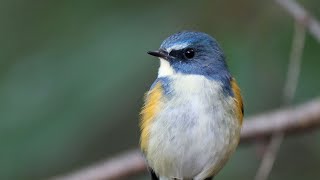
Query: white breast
196, 130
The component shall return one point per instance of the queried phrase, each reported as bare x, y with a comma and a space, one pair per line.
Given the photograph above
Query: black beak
160, 53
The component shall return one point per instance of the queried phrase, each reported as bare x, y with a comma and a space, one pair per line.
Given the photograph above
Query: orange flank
148, 112
238, 99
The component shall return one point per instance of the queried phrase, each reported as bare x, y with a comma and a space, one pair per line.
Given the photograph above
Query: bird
192, 115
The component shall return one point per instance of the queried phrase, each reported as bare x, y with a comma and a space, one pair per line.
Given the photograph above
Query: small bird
192, 116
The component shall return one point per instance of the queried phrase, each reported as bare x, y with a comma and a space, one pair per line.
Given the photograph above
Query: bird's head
194, 53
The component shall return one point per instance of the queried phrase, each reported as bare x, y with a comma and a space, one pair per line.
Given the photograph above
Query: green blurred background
73, 74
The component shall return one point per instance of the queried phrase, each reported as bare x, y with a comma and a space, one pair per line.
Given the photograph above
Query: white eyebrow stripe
177, 47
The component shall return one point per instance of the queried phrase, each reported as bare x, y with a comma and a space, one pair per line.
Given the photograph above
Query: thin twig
289, 90
293, 120
294, 64
302, 16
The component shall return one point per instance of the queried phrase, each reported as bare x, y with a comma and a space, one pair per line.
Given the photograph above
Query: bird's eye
189, 53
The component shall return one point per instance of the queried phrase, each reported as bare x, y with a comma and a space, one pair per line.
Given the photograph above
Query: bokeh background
73, 74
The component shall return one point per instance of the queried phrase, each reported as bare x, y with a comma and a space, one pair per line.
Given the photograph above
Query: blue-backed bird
192, 116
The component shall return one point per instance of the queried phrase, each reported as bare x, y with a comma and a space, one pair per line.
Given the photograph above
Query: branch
289, 90
119, 167
302, 21
290, 120
301, 16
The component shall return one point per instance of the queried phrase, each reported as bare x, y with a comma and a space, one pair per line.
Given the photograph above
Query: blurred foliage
73, 74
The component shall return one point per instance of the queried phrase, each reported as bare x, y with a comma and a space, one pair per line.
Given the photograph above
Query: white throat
165, 68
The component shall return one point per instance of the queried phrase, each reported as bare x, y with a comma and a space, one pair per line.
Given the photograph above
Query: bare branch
301, 16
288, 94
119, 167
290, 120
